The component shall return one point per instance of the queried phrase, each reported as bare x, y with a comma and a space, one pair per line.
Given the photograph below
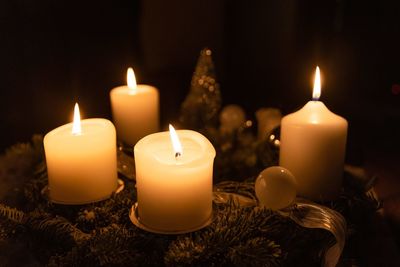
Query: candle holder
135, 219
46, 194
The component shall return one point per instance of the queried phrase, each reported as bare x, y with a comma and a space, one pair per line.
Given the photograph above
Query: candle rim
103, 123
309, 106
207, 149
140, 89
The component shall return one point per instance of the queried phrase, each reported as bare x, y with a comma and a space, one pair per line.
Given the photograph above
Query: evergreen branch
55, 229
12, 214
225, 239
257, 251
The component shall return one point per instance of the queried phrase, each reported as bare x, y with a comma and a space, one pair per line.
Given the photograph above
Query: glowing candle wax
81, 161
174, 181
135, 110
313, 143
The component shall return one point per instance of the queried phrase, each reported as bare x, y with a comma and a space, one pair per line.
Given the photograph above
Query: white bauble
275, 188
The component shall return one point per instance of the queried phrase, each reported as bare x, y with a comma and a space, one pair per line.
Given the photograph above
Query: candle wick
177, 155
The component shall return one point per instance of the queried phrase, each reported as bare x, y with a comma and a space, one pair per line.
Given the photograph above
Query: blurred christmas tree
201, 107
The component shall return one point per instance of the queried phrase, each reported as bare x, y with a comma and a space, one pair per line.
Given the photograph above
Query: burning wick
317, 85
176, 144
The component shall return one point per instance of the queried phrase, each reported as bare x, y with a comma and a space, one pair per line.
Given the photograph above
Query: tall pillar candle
135, 110
313, 144
174, 187
81, 161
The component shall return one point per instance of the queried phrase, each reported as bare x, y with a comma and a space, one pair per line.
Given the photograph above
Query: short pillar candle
81, 160
174, 188
313, 146
135, 110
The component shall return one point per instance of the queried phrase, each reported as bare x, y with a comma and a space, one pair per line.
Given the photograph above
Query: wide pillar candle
174, 192
313, 144
81, 167
135, 110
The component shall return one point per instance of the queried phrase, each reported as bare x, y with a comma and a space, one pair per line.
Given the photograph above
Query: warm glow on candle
317, 85
76, 126
131, 80
176, 144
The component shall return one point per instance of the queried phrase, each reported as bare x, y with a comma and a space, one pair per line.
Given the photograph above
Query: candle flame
76, 126
131, 80
176, 144
317, 85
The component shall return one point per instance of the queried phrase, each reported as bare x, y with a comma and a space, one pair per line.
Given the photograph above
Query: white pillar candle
135, 110
174, 187
313, 144
81, 161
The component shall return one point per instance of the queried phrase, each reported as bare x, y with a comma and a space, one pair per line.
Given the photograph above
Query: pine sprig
109, 246
18, 166
258, 251
223, 241
55, 229
12, 214
115, 245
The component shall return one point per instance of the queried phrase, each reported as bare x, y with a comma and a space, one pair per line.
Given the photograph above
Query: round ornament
275, 188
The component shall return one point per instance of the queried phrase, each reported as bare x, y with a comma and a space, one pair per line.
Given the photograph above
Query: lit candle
81, 160
174, 181
313, 144
135, 110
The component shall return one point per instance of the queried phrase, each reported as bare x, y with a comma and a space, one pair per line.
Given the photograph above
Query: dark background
54, 53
